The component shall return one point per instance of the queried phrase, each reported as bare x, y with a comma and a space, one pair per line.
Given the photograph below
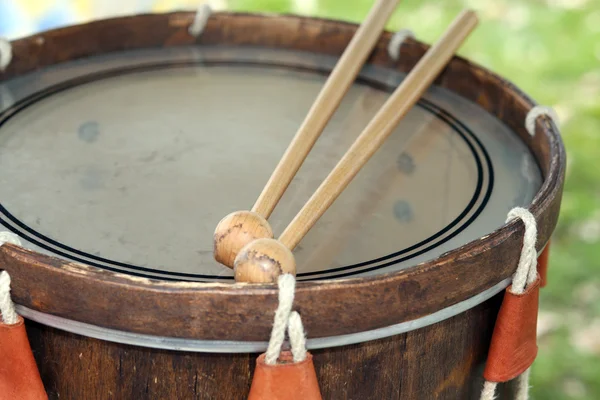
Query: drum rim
221, 311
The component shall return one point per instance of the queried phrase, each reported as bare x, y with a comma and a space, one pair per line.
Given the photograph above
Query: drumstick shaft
380, 127
325, 105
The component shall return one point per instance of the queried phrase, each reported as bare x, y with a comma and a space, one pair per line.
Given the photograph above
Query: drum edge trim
226, 346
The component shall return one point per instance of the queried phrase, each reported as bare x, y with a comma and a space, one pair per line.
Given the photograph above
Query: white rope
297, 337
6, 98
523, 386
526, 274
396, 41
284, 320
9, 237
200, 20
5, 53
489, 391
536, 112
7, 307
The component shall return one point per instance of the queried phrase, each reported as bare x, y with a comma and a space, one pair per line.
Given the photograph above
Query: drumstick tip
235, 231
262, 261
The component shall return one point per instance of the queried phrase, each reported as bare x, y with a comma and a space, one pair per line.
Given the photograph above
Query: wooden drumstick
241, 227
328, 249
264, 259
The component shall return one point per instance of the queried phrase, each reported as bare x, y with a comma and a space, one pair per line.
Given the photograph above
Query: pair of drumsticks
243, 240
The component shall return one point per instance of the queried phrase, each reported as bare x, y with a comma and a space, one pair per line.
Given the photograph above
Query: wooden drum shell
440, 361
443, 360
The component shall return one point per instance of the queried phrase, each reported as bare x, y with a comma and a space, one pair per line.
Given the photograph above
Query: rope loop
5, 53
526, 273
202, 15
536, 112
396, 41
286, 320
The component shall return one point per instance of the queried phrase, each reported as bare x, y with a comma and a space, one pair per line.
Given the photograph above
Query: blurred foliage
551, 50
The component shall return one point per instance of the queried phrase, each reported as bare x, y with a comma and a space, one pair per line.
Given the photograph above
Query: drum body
121, 307
440, 361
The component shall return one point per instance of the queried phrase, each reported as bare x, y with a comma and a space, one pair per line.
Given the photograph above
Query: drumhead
128, 161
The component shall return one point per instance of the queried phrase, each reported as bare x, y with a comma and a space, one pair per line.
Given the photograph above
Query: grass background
551, 50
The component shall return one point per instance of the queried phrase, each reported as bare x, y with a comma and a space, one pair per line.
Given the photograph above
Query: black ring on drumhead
444, 115
457, 126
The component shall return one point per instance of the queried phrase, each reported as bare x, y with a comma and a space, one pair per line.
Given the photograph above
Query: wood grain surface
441, 361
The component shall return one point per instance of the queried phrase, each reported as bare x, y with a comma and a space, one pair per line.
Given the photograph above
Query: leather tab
514, 342
542, 265
19, 375
285, 380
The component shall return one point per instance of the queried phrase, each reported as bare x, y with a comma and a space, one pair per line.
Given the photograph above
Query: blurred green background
550, 49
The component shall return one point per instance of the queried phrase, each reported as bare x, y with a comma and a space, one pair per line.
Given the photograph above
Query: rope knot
7, 307
9, 237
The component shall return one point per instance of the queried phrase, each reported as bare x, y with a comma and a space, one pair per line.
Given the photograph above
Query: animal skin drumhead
128, 161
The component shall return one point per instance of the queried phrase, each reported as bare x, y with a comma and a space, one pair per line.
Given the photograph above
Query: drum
123, 142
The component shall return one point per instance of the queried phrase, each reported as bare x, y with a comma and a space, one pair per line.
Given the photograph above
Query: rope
396, 41
489, 391
526, 274
284, 320
297, 337
489, 388
536, 112
5, 53
523, 386
7, 307
9, 237
527, 270
200, 20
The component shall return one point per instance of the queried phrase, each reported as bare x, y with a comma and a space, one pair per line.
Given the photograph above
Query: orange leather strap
514, 343
286, 380
19, 375
542, 266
